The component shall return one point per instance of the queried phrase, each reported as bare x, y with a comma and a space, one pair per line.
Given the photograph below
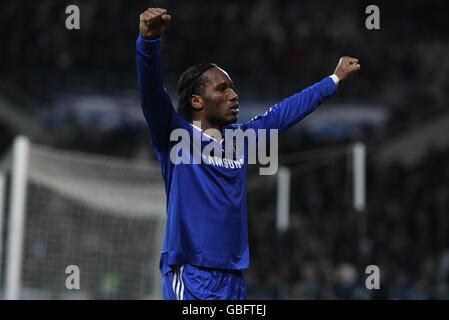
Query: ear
196, 102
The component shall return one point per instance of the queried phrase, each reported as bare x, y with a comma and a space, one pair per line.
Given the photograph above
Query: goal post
283, 199
356, 152
104, 215
2, 207
14, 251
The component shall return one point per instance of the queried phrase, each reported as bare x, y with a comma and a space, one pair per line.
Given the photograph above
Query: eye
225, 87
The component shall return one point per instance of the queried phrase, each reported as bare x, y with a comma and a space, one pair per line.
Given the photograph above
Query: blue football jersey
207, 223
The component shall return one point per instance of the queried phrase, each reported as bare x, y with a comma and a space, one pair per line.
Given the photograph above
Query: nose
233, 96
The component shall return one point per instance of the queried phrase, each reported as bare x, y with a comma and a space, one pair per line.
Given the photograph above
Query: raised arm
156, 103
294, 108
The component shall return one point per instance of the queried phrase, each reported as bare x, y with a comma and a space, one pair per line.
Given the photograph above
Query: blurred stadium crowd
322, 255
271, 49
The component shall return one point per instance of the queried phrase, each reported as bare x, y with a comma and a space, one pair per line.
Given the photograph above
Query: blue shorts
189, 282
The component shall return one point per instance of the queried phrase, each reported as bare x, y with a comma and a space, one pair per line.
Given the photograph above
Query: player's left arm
288, 112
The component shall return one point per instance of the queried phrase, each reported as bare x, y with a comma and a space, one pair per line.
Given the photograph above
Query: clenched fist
153, 22
346, 67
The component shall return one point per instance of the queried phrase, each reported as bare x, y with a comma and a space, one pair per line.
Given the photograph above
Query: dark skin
217, 105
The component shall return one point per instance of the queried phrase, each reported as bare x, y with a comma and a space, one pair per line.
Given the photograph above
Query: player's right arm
156, 103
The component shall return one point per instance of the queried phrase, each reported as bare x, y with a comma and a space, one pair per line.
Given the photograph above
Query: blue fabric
197, 283
207, 222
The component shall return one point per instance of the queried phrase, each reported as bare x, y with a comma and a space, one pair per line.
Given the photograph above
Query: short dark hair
191, 82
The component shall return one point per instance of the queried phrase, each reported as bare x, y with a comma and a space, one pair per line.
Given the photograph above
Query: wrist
150, 38
335, 78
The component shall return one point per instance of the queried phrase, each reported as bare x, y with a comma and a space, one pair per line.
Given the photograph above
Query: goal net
103, 215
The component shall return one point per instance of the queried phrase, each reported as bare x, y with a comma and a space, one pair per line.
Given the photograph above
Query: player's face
220, 101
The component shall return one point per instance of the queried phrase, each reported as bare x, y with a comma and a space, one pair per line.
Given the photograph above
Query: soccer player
205, 246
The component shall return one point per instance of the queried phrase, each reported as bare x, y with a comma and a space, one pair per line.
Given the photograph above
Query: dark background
76, 89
